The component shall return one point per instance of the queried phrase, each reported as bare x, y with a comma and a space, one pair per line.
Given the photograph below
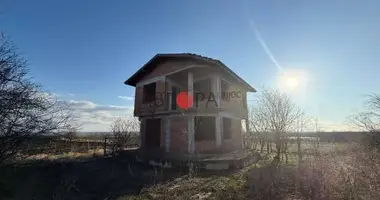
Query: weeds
342, 173
346, 173
349, 174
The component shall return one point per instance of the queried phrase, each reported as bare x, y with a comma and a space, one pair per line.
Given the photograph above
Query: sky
83, 51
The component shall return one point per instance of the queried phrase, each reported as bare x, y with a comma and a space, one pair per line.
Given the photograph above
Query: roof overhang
152, 63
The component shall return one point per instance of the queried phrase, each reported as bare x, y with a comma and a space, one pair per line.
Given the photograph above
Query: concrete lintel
152, 80
230, 115
173, 83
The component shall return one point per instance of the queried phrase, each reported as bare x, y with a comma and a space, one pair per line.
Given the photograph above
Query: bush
351, 174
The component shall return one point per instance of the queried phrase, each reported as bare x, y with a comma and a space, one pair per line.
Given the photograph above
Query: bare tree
123, 130
71, 133
369, 119
259, 127
25, 110
303, 123
274, 112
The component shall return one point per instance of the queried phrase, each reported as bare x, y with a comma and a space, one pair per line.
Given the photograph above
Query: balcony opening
225, 89
153, 133
175, 91
202, 90
227, 129
204, 128
149, 93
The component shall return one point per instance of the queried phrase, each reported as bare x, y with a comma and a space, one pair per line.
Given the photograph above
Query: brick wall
167, 67
235, 104
178, 125
234, 142
141, 108
205, 146
178, 137
161, 87
162, 133
138, 100
142, 133
178, 134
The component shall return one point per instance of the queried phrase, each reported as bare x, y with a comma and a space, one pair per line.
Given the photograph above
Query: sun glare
291, 80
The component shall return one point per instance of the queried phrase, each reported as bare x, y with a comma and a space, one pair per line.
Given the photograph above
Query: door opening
153, 133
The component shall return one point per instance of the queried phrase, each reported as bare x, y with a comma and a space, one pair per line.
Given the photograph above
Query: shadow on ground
97, 178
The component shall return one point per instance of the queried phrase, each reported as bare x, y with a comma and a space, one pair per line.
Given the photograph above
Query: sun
291, 80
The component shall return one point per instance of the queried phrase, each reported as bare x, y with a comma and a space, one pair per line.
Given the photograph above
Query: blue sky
84, 50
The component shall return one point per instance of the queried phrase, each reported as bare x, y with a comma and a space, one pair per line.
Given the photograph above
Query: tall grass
352, 173
344, 172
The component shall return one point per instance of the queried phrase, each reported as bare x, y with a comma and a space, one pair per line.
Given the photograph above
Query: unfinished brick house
214, 123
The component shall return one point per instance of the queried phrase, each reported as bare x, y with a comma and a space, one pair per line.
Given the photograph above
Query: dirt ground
97, 178
122, 178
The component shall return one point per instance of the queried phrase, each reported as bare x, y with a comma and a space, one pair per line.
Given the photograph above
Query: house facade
188, 103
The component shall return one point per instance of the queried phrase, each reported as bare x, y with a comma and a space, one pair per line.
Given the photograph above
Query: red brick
178, 134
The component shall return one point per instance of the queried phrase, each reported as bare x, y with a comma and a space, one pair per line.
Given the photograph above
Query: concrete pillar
218, 131
167, 134
169, 96
190, 120
190, 134
190, 87
216, 88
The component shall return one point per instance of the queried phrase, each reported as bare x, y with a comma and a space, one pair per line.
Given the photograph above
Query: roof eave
253, 89
131, 82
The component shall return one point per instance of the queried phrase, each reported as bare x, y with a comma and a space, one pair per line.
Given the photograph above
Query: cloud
323, 125
97, 117
47, 95
56, 95
90, 106
126, 98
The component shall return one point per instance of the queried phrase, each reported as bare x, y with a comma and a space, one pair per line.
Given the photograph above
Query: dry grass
342, 173
201, 186
352, 172
349, 174
66, 155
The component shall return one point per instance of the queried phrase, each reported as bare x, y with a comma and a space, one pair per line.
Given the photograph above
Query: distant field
56, 145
